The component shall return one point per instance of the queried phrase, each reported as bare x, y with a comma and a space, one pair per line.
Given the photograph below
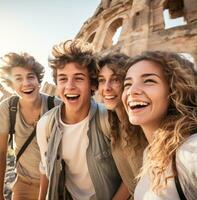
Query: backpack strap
176, 178
50, 102
12, 111
25, 145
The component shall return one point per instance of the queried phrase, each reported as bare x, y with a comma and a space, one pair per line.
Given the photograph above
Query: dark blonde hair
75, 51
23, 60
181, 119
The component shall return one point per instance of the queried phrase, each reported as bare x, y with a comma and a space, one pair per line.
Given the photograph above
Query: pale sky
34, 26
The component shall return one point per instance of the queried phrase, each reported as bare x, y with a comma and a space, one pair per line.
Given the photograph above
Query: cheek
124, 97
100, 88
59, 89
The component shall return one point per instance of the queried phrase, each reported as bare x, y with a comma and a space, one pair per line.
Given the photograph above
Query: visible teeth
137, 103
72, 95
109, 97
30, 90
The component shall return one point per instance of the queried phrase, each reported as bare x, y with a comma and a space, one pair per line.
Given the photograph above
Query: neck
34, 104
72, 117
149, 132
120, 112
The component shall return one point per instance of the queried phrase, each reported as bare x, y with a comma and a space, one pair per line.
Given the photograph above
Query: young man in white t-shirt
71, 132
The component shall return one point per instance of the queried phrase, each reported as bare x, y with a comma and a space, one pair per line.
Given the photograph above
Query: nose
26, 81
107, 86
134, 90
69, 84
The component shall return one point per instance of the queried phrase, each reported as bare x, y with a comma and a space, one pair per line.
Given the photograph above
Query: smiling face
74, 89
145, 95
25, 83
109, 88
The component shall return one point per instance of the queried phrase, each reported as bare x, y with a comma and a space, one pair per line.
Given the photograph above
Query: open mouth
72, 97
109, 97
28, 91
137, 105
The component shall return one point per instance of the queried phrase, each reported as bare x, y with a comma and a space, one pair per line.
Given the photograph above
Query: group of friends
140, 143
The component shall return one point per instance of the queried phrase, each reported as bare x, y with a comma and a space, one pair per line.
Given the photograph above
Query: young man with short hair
72, 133
24, 75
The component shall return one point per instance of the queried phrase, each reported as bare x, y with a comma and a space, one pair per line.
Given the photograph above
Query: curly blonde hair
181, 119
76, 51
23, 60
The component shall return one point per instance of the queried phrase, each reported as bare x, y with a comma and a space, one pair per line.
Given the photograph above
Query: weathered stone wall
143, 26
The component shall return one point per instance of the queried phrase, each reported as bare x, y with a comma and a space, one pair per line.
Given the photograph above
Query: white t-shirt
74, 145
186, 158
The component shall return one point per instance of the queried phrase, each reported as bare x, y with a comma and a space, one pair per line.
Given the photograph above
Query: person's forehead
72, 69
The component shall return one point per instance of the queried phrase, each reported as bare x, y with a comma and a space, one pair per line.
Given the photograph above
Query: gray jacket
101, 166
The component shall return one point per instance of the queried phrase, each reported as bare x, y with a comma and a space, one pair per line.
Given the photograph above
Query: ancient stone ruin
142, 25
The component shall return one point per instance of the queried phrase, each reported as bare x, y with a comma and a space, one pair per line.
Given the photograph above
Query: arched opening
91, 37
113, 33
116, 35
173, 14
188, 56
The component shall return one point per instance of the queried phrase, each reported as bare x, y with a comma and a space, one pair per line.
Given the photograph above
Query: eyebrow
29, 74
76, 74
112, 75
144, 76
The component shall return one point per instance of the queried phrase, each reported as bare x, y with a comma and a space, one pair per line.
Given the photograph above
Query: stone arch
173, 12
112, 29
91, 37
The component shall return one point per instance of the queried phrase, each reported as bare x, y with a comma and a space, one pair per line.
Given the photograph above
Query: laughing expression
145, 94
74, 88
109, 88
25, 83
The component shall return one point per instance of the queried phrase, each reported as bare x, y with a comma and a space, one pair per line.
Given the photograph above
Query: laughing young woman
127, 148
160, 97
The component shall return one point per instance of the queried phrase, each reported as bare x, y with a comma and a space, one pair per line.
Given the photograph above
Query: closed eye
79, 78
127, 85
101, 80
150, 81
61, 79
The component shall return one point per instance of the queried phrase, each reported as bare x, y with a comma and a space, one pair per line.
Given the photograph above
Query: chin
110, 107
135, 121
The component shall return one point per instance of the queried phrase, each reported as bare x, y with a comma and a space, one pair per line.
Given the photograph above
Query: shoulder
186, 158
4, 105
104, 120
6, 101
44, 121
5, 115
188, 150
44, 97
186, 162
50, 113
